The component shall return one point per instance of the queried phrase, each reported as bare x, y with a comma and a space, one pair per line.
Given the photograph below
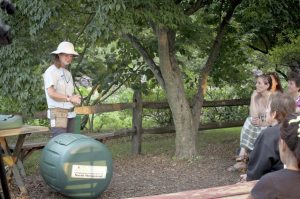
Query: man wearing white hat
59, 89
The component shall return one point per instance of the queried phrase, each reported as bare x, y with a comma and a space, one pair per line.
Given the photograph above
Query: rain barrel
76, 165
10, 121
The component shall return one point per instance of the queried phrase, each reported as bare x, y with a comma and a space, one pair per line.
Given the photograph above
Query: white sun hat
65, 47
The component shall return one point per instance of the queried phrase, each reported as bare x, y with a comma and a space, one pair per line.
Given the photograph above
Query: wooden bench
28, 148
234, 191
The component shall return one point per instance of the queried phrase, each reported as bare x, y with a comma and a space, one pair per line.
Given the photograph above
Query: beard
65, 63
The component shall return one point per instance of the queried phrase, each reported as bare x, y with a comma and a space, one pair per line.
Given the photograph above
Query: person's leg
243, 154
71, 125
243, 151
245, 139
57, 131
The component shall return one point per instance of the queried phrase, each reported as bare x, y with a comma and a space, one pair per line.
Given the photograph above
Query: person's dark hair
267, 80
289, 133
283, 104
275, 79
295, 77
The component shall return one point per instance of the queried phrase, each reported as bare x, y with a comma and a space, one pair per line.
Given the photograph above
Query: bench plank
28, 148
239, 190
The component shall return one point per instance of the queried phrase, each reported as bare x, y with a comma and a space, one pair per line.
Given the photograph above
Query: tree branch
281, 73
203, 76
265, 42
178, 1
266, 51
88, 21
102, 96
196, 6
112, 92
88, 98
258, 49
77, 66
153, 67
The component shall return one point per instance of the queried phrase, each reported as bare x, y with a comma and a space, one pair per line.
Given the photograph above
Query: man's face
292, 88
65, 59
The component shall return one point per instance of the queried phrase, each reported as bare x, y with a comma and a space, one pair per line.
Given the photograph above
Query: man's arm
75, 99
57, 96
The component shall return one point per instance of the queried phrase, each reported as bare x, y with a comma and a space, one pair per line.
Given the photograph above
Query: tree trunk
179, 105
186, 120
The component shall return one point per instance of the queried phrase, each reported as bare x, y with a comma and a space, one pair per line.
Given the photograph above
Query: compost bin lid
68, 138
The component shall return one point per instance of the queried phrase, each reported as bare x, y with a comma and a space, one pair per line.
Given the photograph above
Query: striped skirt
249, 134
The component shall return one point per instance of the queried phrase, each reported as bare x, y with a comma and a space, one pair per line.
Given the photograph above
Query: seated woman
265, 156
256, 121
285, 182
294, 88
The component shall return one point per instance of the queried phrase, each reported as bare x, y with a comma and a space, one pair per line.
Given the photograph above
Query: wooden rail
102, 108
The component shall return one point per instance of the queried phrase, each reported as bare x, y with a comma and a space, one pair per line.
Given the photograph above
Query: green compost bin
76, 166
10, 121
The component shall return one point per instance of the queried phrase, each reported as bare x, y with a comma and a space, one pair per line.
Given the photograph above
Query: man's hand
75, 99
243, 178
256, 121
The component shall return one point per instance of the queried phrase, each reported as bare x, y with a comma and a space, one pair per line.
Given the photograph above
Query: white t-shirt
62, 81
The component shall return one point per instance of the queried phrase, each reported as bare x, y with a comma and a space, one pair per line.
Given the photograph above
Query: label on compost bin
86, 171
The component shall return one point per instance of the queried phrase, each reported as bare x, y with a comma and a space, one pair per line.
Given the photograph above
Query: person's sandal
239, 166
243, 158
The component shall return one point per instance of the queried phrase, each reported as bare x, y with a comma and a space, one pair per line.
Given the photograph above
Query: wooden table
11, 159
234, 191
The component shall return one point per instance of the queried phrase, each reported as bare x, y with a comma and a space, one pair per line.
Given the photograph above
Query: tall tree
169, 75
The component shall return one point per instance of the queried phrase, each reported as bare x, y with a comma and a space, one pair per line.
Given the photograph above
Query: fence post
137, 122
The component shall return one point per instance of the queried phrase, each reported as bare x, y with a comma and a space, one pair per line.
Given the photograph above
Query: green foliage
20, 62
115, 120
20, 82
223, 114
263, 20
288, 53
111, 66
156, 117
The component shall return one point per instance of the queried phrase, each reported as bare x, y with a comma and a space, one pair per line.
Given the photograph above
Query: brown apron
59, 117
